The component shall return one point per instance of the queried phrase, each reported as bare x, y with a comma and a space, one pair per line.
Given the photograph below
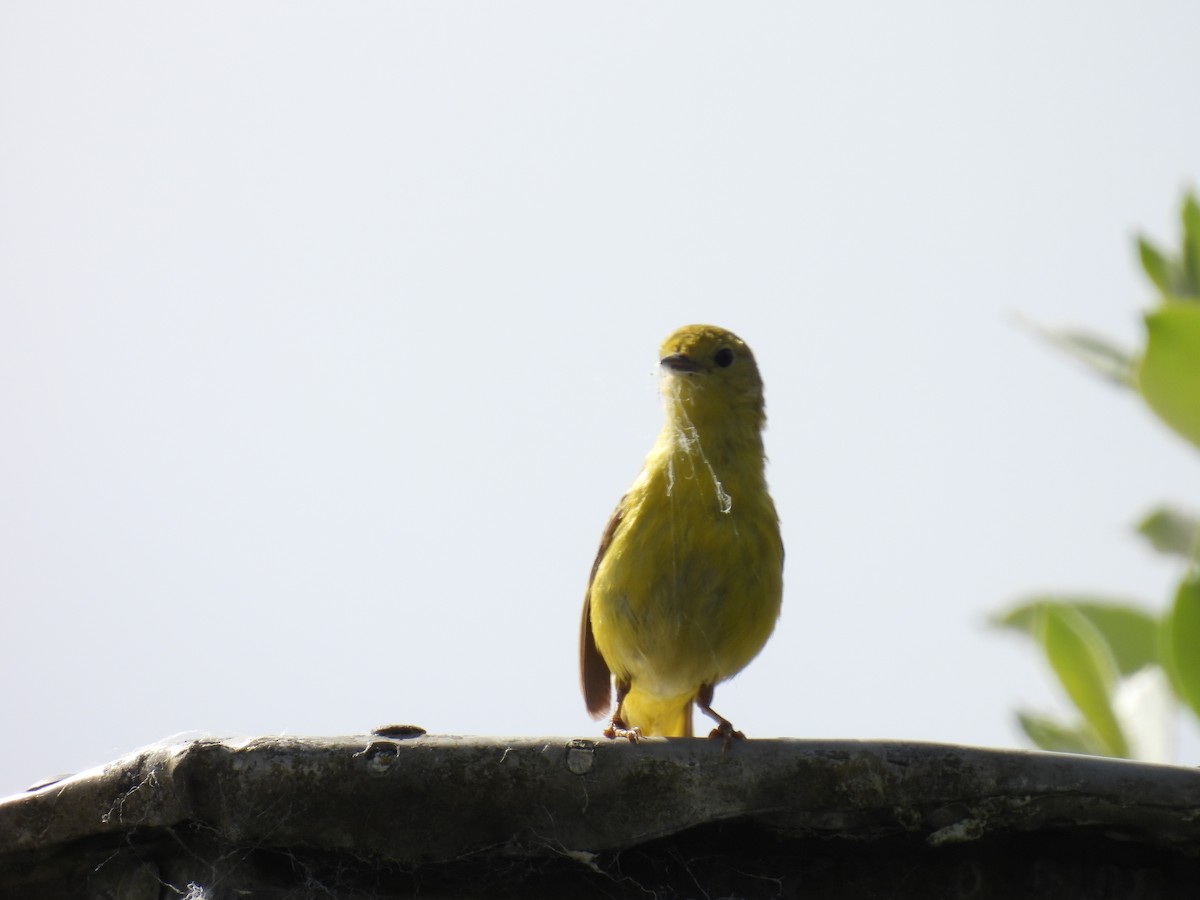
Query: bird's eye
724, 357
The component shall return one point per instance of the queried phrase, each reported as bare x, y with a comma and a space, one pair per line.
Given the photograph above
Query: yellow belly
686, 594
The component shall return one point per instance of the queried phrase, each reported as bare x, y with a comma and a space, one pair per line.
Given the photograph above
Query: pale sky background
328, 342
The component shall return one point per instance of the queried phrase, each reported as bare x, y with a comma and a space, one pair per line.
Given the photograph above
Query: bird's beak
677, 362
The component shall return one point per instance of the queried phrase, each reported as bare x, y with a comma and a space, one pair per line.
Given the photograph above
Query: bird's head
712, 375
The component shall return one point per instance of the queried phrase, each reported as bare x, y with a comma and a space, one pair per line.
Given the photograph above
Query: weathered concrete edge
439, 798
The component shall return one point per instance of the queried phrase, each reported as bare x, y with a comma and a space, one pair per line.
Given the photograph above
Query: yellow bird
687, 584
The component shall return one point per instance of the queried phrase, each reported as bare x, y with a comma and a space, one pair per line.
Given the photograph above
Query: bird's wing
594, 671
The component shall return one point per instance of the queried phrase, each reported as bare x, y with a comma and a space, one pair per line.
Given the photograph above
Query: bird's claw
616, 729
726, 732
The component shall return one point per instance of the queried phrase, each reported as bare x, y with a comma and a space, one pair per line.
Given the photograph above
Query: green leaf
1049, 734
1130, 632
1171, 531
1177, 278
1086, 668
1156, 265
1166, 656
1097, 353
1169, 375
1191, 245
1184, 642
1018, 618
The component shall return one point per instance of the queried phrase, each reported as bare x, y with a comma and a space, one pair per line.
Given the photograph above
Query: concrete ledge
435, 814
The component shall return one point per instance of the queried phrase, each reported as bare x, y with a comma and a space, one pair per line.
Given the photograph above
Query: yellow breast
690, 587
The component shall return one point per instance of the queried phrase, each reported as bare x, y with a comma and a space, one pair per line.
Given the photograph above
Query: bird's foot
617, 729
726, 732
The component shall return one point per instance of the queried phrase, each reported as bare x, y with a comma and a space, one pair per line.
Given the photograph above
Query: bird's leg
616, 727
724, 730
